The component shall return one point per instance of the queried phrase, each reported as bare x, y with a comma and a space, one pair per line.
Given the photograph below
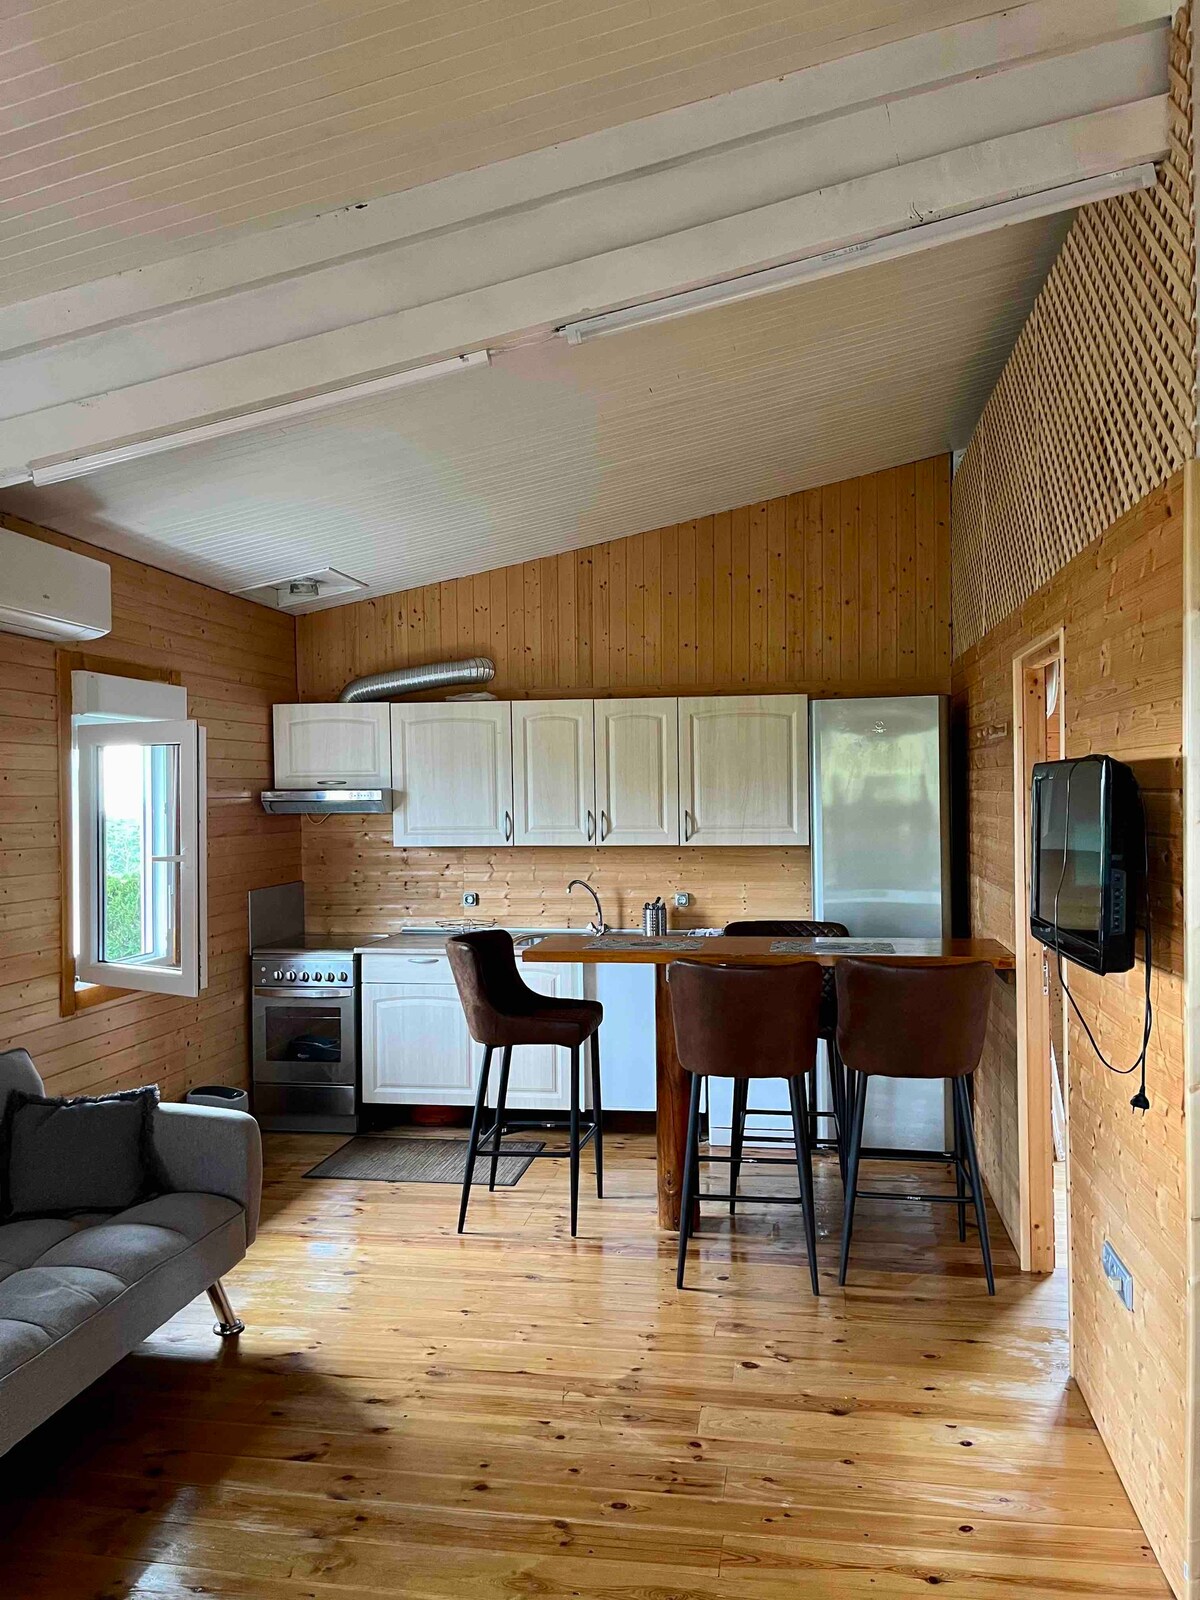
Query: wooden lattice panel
1096, 405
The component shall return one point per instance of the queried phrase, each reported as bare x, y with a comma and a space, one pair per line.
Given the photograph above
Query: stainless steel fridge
881, 815
881, 856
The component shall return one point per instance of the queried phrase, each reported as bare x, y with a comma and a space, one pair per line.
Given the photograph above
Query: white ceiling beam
642, 206
669, 204
1037, 30
882, 203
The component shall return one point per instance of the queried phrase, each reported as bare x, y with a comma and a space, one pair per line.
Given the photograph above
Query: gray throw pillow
91, 1153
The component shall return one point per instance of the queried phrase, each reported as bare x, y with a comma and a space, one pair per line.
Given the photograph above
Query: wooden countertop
587, 947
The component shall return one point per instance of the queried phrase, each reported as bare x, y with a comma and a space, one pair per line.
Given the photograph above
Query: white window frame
190, 975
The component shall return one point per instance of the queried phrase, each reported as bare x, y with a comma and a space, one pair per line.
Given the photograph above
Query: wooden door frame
1035, 1143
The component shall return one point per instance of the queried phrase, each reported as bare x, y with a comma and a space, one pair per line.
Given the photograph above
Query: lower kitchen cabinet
416, 1049
415, 1046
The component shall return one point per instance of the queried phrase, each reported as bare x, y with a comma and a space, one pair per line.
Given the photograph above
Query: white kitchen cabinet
415, 1046
743, 770
554, 774
452, 773
332, 746
637, 771
416, 1049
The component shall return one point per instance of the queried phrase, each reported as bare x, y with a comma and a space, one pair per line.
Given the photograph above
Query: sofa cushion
140, 1239
19, 1343
21, 1243
59, 1156
52, 1301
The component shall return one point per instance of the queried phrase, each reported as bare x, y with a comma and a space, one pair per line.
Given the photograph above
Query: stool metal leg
960, 1182
501, 1103
574, 1140
812, 1100
473, 1141
858, 1095
598, 1115
737, 1137
837, 1083
691, 1164
800, 1127
964, 1101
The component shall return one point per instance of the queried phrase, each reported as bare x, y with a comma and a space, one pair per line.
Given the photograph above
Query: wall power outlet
1118, 1274
470, 899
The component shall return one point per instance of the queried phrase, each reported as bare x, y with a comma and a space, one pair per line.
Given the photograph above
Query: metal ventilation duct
418, 680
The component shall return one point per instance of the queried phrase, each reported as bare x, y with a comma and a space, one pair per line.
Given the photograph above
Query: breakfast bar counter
671, 1080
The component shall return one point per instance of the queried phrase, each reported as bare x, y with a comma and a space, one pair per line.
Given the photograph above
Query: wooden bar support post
672, 1106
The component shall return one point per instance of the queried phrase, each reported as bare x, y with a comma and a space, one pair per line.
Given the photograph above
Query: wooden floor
512, 1414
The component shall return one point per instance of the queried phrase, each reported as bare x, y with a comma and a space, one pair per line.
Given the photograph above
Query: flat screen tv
1088, 856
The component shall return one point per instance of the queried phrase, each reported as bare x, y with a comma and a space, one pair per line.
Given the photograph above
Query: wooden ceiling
133, 132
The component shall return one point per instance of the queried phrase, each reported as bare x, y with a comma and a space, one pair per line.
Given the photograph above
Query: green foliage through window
122, 889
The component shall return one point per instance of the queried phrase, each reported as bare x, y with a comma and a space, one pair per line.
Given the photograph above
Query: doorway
1039, 732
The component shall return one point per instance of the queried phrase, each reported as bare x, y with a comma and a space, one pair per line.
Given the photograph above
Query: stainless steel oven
304, 1026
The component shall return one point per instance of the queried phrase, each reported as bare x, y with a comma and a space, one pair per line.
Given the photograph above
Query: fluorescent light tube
867, 252
58, 471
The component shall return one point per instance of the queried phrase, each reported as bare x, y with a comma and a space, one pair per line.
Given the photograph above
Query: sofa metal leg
227, 1325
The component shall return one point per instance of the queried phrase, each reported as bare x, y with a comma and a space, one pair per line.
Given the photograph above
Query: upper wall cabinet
332, 746
743, 769
452, 773
554, 779
637, 771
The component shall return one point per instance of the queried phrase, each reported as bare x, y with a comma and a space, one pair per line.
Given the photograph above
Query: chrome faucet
598, 927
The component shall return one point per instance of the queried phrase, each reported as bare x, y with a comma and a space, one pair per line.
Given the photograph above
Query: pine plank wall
840, 590
236, 659
1068, 511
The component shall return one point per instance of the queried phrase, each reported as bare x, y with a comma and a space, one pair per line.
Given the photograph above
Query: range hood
326, 802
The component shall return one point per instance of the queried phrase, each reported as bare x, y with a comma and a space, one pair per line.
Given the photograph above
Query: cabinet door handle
603, 826
508, 827
591, 826
687, 825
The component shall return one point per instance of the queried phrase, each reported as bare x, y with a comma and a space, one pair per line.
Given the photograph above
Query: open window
141, 856
138, 846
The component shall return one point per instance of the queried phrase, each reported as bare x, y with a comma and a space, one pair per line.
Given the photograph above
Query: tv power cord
1140, 1101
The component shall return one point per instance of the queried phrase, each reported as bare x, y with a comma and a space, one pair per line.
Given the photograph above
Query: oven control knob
343, 977
277, 975
304, 977
331, 977
290, 976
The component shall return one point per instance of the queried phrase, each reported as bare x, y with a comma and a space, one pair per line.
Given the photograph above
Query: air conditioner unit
50, 593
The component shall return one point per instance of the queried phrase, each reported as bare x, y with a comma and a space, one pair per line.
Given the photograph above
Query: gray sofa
78, 1294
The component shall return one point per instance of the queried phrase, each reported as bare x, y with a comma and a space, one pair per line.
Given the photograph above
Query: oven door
304, 1036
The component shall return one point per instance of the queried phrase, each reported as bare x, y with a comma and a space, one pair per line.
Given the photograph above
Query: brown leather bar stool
798, 928
503, 1012
899, 1021
743, 1023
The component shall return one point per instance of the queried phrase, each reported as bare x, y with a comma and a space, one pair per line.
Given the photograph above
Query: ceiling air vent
304, 591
